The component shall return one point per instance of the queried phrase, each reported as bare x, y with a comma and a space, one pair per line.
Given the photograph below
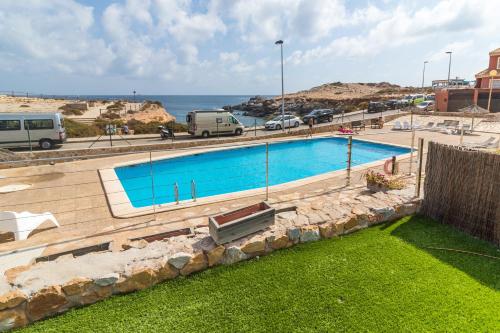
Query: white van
33, 128
212, 122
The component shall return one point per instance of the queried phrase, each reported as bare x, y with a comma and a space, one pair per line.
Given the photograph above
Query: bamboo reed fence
462, 188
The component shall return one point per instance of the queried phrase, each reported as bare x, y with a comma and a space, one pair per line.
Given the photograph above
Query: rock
7, 237
46, 302
197, 263
167, 272
350, 223
385, 213
300, 220
255, 246
327, 230
12, 273
11, 299
94, 294
179, 260
76, 286
279, 242
309, 233
293, 234
215, 255
137, 244
107, 280
139, 279
12, 318
232, 255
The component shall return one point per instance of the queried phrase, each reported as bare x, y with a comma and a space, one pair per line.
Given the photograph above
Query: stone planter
239, 223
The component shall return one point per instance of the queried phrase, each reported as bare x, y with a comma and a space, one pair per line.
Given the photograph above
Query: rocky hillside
348, 96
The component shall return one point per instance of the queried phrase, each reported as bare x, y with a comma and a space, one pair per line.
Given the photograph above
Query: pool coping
121, 207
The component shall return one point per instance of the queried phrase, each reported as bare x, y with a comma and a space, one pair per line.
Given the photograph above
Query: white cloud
264, 21
54, 34
229, 56
405, 26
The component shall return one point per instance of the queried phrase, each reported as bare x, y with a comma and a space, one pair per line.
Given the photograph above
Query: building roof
483, 73
495, 52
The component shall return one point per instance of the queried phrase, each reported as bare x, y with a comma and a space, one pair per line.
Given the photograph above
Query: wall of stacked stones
146, 264
462, 188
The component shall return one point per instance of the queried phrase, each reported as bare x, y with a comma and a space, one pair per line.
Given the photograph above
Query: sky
222, 47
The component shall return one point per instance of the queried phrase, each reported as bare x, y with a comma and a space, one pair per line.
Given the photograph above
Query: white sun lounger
22, 224
491, 142
406, 125
438, 127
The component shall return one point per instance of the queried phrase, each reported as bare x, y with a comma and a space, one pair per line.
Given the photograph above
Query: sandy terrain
94, 110
339, 91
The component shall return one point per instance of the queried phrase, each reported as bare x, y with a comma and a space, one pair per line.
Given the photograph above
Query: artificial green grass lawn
380, 279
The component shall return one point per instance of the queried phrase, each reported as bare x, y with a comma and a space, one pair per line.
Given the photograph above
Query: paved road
83, 143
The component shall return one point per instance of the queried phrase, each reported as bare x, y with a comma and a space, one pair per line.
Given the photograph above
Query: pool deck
73, 192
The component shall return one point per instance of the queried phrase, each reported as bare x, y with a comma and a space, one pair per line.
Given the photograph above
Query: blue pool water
242, 169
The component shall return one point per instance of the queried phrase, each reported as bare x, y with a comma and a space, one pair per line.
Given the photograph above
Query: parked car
374, 107
288, 120
426, 106
404, 102
31, 128
321, 115
392, 104
430, 97
212, 122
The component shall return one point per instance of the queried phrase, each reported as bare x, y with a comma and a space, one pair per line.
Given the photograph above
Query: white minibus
31, 128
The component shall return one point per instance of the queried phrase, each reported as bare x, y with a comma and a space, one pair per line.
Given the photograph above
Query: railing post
151, 174
176, 193
419, 171
412, 149
349, 154
267, 171
342, 118
393, 169
29, 135
193, 190
255, 127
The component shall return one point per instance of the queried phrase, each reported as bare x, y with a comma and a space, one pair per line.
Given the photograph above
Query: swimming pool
240, 169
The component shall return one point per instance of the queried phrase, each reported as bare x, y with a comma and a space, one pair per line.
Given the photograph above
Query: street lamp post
280, 43
423, 75
135, 106
449, 67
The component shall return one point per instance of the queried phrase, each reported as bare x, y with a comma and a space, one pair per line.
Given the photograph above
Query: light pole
135, 106
449, 67
280, 43
423, 75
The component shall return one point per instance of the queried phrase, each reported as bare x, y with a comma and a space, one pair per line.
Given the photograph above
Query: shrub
378, 179
140, 127
75, 129
72, 112
147, 104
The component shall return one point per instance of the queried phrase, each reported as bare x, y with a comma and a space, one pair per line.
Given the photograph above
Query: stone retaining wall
45, 289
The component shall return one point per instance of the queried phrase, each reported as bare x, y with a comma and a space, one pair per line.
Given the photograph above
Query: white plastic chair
22, 224
406, 125
397, 126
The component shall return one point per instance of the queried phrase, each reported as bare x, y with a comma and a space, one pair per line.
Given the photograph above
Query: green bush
72, 112
75, 129
140, 127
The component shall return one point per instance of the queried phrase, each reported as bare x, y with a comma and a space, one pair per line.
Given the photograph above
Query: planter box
239, 223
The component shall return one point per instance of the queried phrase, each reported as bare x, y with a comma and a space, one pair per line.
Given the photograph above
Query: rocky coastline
337, 95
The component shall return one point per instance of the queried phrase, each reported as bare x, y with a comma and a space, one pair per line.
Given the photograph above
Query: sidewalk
131, 137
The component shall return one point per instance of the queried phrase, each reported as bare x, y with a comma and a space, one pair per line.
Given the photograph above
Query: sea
180, 105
